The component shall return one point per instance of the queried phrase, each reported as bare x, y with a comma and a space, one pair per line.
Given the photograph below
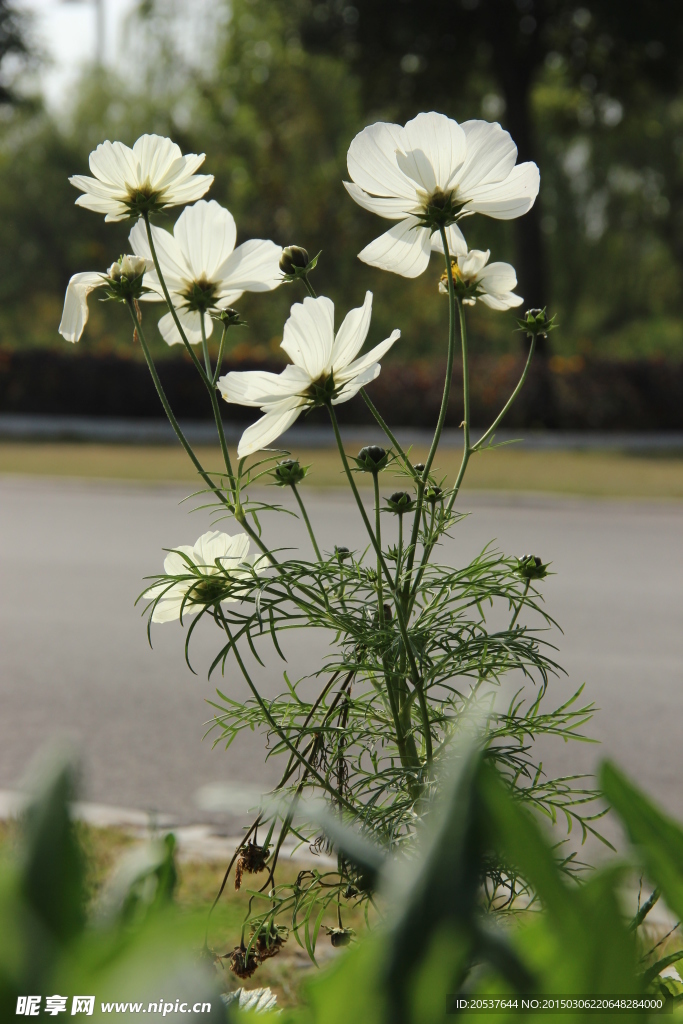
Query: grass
597, 474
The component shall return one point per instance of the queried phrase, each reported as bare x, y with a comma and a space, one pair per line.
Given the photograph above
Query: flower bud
229, 317
293, 258
342, 553
530, 567
432, 494
399, 502
536, 323
419, 467
289, 472
125, 278
340, 936
371, 459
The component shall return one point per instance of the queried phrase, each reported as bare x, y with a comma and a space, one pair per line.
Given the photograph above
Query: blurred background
273, 91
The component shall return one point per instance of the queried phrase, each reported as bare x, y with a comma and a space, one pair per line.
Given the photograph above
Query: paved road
74, 657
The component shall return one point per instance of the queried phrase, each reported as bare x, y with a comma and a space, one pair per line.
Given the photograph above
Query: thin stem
378, 533
167, 408
216, 411
205, 346
169, 303
466, 449
221, 350
482, 440
378, 416
442, 414
274, 726
307, 522
520, 605
309, 286
399, 550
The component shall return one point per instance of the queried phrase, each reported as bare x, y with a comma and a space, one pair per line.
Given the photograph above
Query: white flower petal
254, 266
404, 249
155, 156
260, 434
389, 207
432, 149
498, 277
167, 609
371, 161
501, 301
308, 335
457, 245
373, 356
114, 164
75, 314
215, 544
505, 200
351, 335
174, 563
351, 389
206, 235
114, 210
491, 155
190, 324
473, 263
258, 388
187, 191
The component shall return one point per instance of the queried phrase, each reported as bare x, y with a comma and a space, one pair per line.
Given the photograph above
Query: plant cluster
419, 647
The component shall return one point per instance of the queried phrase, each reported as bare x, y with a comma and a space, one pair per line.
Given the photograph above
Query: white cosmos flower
434, 164
491, 283
76, 312
152, 175
320, 360
202, 268
214, 554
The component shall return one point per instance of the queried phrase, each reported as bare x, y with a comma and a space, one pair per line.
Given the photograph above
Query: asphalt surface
75, 661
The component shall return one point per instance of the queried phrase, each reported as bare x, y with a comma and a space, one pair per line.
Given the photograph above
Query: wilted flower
202, 268
208, 568
430, 174
152, 175
340, 936
324, 368
252, 859
475, 278
243, 964
123, 280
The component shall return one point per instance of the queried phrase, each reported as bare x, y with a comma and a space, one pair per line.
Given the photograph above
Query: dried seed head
242, 964
252, 859
269, 942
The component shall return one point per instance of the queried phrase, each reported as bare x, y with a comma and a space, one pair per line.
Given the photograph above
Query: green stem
221, 350
442, 415
309, 286
273, 724
307, 522
520, 605
205, 346
399, 550
482, 440
378, 534
466, 449
216, 412
169, 303
167, 408
378, 416
414, 672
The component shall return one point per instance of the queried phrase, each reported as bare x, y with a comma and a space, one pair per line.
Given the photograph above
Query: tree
412, 55
12, 44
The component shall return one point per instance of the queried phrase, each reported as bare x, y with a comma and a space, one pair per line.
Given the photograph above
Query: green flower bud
371, 459
289, 472
125, 278
342, 553
340, 936
294, 257
536, 323
432, 494
419, 467
296, 263
228, 317
399, 502
530, 567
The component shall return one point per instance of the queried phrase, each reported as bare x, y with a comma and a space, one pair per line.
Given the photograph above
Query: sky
66, 32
